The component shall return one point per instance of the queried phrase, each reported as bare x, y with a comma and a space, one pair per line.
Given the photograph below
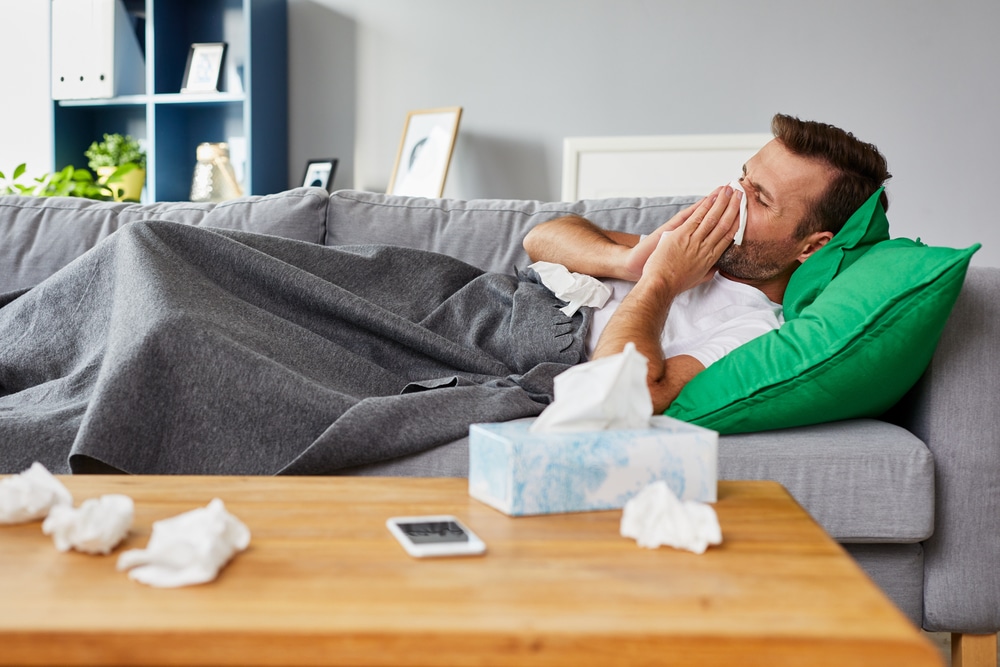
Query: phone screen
433, 532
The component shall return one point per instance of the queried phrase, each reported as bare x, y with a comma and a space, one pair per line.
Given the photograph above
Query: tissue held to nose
735, 185
31, 495
655, 517
187, 549
96, 527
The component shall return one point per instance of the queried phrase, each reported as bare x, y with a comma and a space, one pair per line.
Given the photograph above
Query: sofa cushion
853, 352
863, 480
43, 234
486, 232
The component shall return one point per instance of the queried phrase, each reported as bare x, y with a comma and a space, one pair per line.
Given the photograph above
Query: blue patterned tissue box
519, 472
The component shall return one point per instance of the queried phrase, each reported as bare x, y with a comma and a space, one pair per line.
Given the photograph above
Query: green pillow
853, 352
862, 230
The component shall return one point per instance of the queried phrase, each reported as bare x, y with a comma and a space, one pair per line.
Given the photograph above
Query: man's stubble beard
756, 260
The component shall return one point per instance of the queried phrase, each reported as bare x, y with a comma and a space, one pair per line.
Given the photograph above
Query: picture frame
655, 165
203, 72
319, 173
425, 151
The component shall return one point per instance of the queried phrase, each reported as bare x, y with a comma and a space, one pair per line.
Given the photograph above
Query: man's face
780, 187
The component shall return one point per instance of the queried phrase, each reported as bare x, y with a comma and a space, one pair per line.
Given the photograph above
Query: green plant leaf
114, 151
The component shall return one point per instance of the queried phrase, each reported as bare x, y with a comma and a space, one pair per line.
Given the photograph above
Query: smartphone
436, 535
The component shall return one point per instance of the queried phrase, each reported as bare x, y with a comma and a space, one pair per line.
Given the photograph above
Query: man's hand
686, 256
636, 258
678, 261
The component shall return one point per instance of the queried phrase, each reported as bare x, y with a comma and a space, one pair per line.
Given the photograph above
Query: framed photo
319, 173
204, 67
425, 152
649, 166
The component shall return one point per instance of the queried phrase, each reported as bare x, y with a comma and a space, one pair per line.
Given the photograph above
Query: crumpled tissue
738, 239
655, 517
96, 527
607, 393
187, 549
577, 289
31, 494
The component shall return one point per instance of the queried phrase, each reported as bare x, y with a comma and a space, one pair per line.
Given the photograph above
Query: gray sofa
915, 497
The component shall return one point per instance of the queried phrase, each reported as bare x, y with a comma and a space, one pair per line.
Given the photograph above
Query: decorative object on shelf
96, 50
425, 152
172, 124
319, 173
214, 179
120, 164
204, 68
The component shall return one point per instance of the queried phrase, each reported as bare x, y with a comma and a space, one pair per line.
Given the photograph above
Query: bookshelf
250, 112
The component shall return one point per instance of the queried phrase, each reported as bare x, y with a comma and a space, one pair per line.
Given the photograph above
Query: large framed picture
319, 173
204, 67
425, 152
649, 166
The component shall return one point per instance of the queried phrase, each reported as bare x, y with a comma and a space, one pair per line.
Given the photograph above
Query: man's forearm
639, 319
672, 263
581, 246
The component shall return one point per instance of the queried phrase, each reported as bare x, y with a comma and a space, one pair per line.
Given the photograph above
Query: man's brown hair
860, 169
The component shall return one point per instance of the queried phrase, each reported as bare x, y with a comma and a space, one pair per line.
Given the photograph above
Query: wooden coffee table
324, 583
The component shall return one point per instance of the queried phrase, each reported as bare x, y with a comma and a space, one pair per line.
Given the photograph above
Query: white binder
95, 52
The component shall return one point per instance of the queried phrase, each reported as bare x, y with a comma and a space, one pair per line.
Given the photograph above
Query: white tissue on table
655, 517
577, 289
735, 185
187, 549
607, 393
96, 527
31, 495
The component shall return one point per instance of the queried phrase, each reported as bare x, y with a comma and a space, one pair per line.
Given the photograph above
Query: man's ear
812, 243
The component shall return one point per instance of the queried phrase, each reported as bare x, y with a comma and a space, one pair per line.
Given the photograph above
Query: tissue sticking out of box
655, 517
187, 549
607, 393
576, 289
738, 239
31, 495
96, 527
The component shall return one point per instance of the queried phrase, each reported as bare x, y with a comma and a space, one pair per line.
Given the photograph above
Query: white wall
916, 77
25, 108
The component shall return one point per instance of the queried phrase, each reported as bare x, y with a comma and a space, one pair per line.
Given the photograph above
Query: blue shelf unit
250, 111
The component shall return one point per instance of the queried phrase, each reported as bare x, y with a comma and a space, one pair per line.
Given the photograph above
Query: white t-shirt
705, 322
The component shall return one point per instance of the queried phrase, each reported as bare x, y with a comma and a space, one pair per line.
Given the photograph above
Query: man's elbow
532, 242
677, 372
540, 238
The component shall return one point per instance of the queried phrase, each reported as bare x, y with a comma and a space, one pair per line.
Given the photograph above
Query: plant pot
128, 187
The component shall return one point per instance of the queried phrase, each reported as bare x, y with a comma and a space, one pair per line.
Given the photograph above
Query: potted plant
120, 163
67, 182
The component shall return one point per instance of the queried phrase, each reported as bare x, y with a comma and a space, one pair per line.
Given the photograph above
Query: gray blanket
173, 349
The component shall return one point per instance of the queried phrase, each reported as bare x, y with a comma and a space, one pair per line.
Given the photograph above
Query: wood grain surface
324, 583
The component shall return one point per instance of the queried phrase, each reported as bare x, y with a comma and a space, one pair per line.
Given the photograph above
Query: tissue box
521, 473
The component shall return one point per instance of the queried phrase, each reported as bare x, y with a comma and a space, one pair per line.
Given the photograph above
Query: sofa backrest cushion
853, 352
486, 233
43, 234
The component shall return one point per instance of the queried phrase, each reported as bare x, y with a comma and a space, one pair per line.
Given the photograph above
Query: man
801, 188
174, 349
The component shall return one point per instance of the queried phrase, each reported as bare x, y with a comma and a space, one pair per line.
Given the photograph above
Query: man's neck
773, 288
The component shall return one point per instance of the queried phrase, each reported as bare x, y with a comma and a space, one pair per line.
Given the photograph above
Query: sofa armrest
954, 410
